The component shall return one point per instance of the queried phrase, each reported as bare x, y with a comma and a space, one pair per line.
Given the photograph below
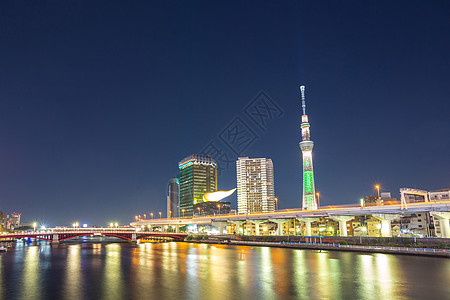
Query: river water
204, 271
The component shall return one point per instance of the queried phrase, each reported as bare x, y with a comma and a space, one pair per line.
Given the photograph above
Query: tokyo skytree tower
306, 145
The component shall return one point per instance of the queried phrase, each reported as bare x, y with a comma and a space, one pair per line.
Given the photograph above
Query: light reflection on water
218, 272
31, 278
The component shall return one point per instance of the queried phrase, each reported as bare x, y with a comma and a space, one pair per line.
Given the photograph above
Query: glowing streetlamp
276, 204
34, 226
183, 210
218, 205
151, 214
111, 225
145, 216
160, 215
198, 208
378, 189
117, 225
364, 229
318, 199
379, 228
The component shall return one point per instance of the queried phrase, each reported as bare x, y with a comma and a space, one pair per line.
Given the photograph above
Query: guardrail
337, 246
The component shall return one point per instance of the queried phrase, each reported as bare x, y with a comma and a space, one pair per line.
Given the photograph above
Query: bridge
57, 235
339, 213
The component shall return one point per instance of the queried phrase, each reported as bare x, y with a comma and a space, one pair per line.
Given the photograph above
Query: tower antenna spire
302, 90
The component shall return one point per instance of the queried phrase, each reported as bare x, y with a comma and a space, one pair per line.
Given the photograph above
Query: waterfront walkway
355, 248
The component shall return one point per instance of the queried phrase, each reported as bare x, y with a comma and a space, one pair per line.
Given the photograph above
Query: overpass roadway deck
329, 212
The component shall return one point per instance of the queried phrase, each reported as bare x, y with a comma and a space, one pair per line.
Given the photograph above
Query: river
80, 270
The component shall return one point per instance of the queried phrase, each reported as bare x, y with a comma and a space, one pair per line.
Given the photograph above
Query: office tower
198, 175
306, 145
173, 198
255, 184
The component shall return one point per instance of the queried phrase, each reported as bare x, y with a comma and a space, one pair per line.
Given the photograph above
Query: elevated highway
342, 214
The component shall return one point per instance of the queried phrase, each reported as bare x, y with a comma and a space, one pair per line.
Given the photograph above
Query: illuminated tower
306, 145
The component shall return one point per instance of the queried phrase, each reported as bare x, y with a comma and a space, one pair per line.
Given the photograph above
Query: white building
255, 185
440, 195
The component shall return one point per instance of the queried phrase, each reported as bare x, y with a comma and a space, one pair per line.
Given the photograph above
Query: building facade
198, 175
3, 221
255, 185
211, 208
173, 198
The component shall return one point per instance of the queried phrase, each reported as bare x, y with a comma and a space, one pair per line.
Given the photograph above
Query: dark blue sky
100, 100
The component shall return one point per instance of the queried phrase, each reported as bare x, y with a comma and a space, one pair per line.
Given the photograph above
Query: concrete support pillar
386, 219
133, 237
342, 223
55, 239
221, 225
257, 223
239, 227
177, 228
308, 222
279, 223
443, 218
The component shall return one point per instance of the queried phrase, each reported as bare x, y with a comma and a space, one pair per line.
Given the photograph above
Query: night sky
99, 100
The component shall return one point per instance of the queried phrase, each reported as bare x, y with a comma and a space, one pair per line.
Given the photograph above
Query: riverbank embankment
329, 243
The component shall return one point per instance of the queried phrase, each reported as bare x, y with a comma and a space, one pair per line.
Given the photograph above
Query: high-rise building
198, 175
306, 145
15, 219
3, 220
255, 184
173, 198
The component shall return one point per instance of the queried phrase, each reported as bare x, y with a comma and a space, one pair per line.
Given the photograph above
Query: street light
364, 229
34, 226
151, 214
379, 199
198, 208
276, 203
145, 217
218, 205
318, 199
160, 215
183, 211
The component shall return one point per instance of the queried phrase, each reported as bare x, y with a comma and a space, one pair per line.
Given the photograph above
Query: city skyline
98, 106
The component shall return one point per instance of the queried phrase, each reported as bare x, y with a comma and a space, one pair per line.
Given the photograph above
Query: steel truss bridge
57, 235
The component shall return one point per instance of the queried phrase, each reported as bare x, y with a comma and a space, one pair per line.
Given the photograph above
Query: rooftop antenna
302, 90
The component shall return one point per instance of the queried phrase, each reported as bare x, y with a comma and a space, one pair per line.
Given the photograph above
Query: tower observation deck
306, 145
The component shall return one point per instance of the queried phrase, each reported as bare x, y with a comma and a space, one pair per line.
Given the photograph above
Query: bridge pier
386, 219
221, 225
308, 222
342, 223
133, 237
279, 223
239, 227
443, 218
55, 239
257, 223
